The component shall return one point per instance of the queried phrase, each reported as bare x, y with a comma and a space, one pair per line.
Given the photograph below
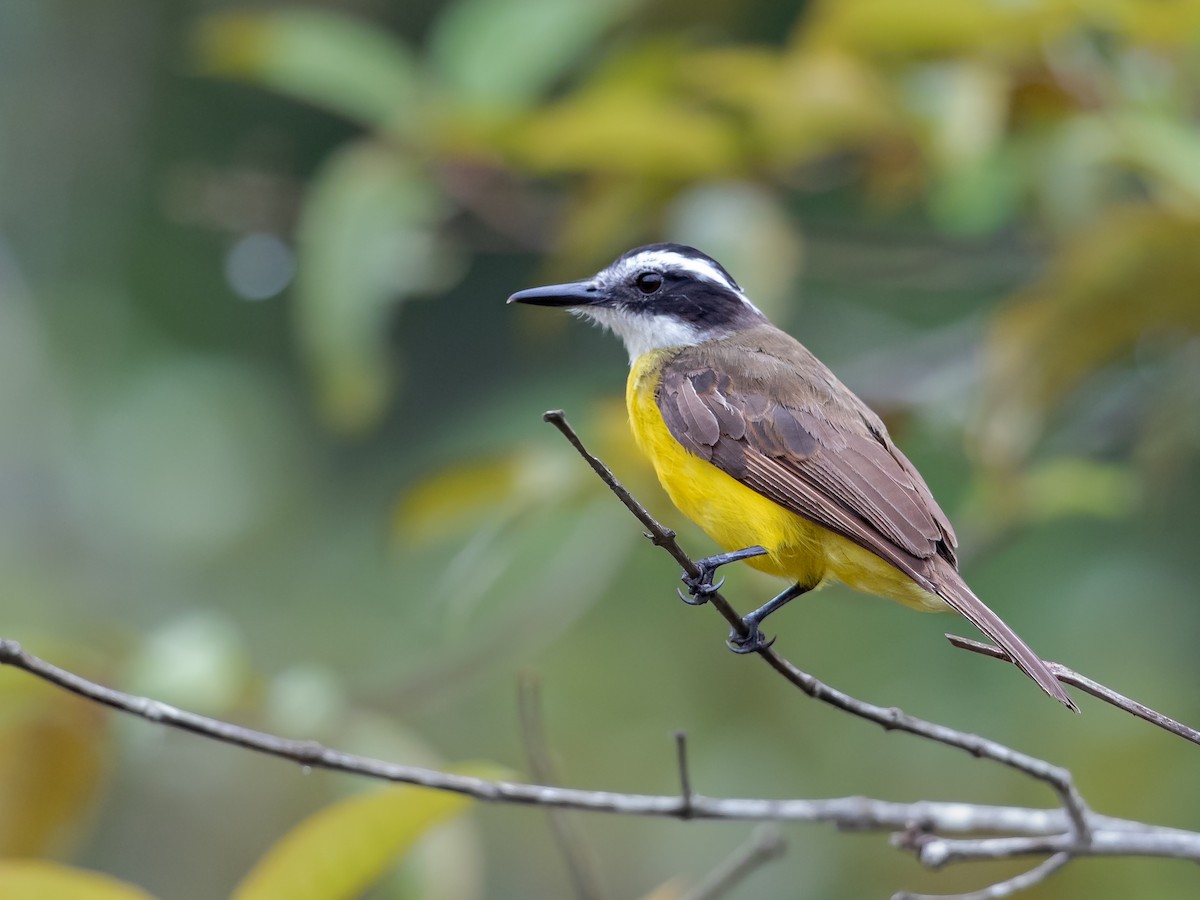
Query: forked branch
937, 833
1079, 837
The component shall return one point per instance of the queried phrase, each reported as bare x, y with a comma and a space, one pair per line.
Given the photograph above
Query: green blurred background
271, 444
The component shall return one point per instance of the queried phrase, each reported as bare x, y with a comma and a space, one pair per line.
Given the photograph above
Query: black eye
649, 282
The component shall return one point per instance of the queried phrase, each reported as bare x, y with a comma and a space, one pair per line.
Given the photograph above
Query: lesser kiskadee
756, 441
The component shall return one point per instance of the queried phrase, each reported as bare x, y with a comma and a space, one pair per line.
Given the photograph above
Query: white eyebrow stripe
665, 259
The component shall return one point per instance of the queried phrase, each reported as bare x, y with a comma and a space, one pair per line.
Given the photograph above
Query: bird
758, 442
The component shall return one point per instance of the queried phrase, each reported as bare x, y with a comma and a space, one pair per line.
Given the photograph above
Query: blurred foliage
339, 851
52, 763
344, 849
38, 880
270, 442
1131, 278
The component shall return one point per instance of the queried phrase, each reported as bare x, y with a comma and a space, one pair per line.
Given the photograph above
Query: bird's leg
702, 585
753, 639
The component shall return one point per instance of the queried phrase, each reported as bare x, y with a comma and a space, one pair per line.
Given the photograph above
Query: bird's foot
700, 586
749, 638
750, 642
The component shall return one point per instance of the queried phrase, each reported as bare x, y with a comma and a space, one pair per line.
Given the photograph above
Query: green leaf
602, 132
368, 239
330, 60
35, 879
505, 53
344, 848
977, 197
801, 106
1167, 151
1060, 488
1130, 274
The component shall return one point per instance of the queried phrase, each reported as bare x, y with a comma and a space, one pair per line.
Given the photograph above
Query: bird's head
660, 295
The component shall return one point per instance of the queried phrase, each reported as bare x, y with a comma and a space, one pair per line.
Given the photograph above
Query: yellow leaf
35, 879
635, 117
924, 28
457, 498
51, 764
344, 848
670, 890
607, 133
1018, 31
800, 106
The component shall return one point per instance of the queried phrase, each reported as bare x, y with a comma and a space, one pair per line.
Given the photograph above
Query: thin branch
685, 779
1072, 830
937, 852
849, 813
765, 844
572, 843
1007, 888
890, 718
1095, 688
656, 532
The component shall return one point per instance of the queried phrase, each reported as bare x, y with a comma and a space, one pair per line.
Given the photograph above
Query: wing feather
785, 427
844, 478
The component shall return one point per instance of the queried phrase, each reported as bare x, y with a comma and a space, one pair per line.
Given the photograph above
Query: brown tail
955, 592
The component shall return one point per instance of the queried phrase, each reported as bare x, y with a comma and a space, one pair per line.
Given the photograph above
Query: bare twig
937, 852
849, 813
1095, 688
1072, 830
685, 778
1007, 888
572, 843
890, 718
656, 532
764, 844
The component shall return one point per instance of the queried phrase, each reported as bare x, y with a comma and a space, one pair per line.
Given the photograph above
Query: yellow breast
735, 516
729, 512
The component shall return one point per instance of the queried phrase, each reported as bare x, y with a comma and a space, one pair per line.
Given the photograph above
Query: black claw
751, 642
698, 599
700, 586
704, 584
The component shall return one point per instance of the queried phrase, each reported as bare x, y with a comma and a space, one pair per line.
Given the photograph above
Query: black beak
577, 293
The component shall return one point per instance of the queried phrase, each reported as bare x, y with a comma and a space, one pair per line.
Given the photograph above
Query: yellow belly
735, 516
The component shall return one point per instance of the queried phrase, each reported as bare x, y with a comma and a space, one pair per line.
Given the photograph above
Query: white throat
642, 333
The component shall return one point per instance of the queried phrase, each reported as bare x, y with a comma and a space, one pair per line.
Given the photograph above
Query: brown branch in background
1095, 688
581, 862
765, 844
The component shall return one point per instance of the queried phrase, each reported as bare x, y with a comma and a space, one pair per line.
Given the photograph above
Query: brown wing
789, 430
762, 408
